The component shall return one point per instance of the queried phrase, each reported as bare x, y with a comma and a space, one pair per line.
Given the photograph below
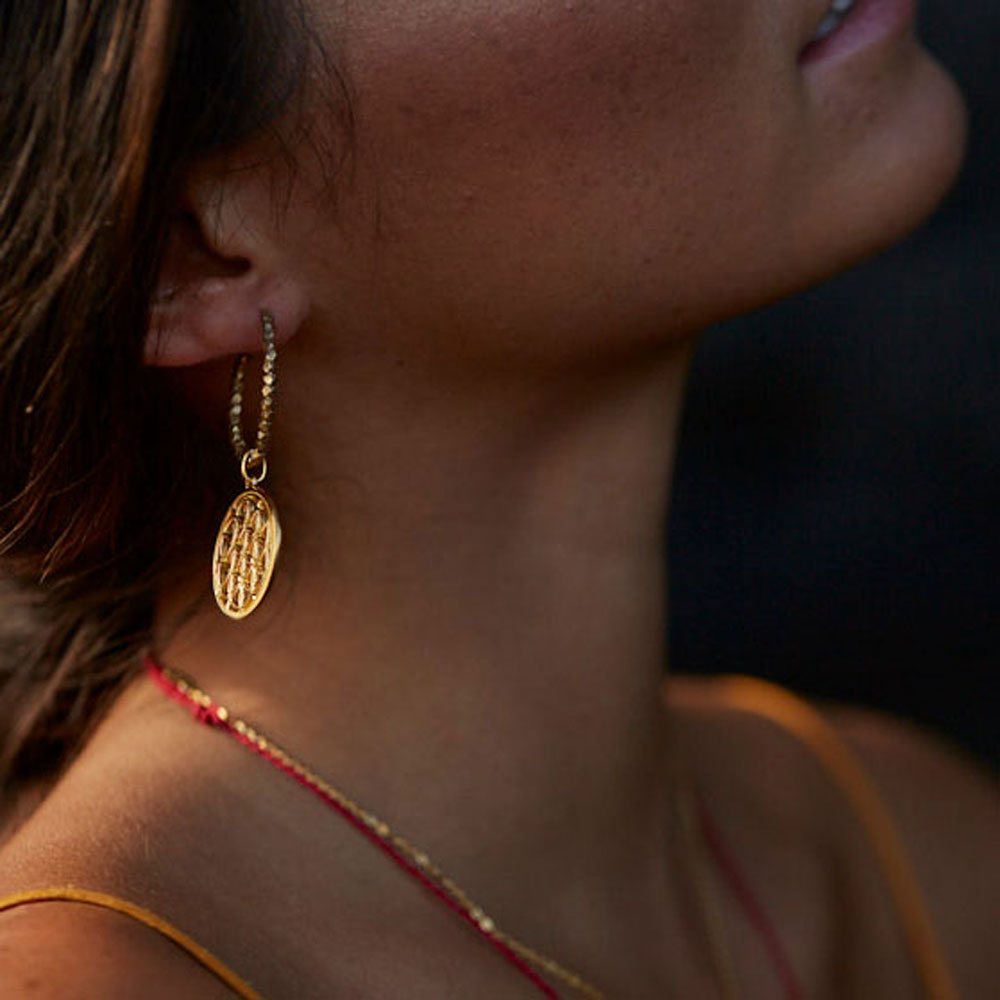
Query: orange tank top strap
182, 940
807, 724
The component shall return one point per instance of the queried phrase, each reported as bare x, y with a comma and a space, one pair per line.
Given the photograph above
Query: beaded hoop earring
249, 539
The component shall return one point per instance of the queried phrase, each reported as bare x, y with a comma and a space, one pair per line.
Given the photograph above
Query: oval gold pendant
246, 550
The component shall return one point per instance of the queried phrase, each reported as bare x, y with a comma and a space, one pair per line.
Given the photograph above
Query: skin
485, 332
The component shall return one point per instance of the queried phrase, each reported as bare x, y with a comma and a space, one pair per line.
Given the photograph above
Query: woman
483, 236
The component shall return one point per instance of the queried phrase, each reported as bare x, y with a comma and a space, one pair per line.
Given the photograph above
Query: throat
473, 647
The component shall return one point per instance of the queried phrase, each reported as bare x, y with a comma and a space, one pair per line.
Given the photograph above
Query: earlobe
214, 282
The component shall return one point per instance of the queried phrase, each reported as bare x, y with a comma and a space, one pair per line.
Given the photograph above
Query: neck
470, 613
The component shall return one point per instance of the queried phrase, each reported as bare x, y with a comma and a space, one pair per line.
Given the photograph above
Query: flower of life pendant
246, 551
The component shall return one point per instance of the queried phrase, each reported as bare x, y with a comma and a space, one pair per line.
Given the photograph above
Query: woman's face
545, 173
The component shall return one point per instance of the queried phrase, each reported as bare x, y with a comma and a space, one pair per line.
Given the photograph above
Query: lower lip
867, 23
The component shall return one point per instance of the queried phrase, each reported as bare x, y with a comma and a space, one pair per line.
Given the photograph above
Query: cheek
469, 104
538, 150
550, 176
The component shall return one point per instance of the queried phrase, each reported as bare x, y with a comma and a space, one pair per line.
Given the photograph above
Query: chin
895, 182
887, 148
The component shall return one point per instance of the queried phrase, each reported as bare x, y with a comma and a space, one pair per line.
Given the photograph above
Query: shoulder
936, 793
933, 786
945, 809
69, 950
947, 812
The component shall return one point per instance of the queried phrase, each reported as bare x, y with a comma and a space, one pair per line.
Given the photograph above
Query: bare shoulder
939, 796
944, 806
947, 811
76, 951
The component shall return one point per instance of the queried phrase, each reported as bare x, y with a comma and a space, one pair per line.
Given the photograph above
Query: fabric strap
800, 719
188, 944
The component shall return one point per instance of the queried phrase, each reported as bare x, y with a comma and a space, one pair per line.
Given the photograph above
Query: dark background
835, 519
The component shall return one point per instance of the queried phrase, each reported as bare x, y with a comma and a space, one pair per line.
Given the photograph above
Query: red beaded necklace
417, 864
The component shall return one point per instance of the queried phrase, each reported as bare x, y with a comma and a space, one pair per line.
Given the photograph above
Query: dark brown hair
104, 106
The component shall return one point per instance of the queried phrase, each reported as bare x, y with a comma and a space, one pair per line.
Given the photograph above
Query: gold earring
249, 539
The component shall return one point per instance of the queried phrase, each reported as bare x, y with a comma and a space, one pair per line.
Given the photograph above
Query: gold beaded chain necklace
710, 912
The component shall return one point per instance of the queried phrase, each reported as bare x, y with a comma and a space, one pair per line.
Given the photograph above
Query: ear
222, 267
